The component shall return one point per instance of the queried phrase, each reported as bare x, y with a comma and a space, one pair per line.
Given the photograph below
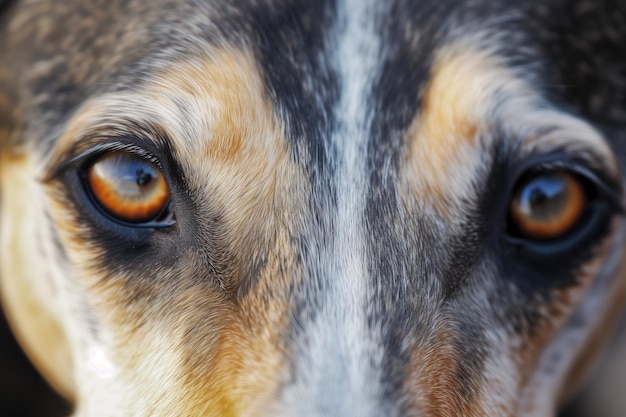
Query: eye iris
128, 187
548, 205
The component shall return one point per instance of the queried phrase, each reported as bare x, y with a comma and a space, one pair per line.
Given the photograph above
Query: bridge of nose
337, 352
367, 282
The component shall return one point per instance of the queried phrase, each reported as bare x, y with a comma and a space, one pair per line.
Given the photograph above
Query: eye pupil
143, 177
537, 196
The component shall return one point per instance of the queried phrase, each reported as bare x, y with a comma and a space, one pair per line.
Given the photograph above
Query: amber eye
548, 205
128, 187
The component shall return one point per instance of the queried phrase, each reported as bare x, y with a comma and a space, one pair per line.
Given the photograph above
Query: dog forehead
120, 45
292, 54
342, 81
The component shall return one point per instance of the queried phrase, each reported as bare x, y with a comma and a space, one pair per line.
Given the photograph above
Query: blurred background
24, 394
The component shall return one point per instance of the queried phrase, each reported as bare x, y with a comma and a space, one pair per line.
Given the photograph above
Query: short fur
340, 172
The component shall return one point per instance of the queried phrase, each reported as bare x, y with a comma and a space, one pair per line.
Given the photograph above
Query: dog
313, 208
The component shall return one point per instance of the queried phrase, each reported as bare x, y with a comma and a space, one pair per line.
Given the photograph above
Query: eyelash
74, 172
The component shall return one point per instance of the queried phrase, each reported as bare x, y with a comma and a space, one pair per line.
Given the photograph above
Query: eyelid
608, 187
87, 152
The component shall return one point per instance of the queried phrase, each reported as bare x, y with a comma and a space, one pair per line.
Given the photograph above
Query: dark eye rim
164, 219
604, 200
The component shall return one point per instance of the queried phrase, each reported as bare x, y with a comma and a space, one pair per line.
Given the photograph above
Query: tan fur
447, 143
432, 380
217, 341
447, 138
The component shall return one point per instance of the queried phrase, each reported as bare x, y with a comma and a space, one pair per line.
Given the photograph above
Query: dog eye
128, 187
548, 205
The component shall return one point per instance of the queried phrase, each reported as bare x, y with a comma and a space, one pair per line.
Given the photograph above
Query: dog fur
340, 173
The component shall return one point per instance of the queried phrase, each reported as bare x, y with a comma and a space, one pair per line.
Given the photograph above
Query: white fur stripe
340, 373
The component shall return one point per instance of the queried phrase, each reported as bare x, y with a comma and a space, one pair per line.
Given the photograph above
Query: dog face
331, 208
